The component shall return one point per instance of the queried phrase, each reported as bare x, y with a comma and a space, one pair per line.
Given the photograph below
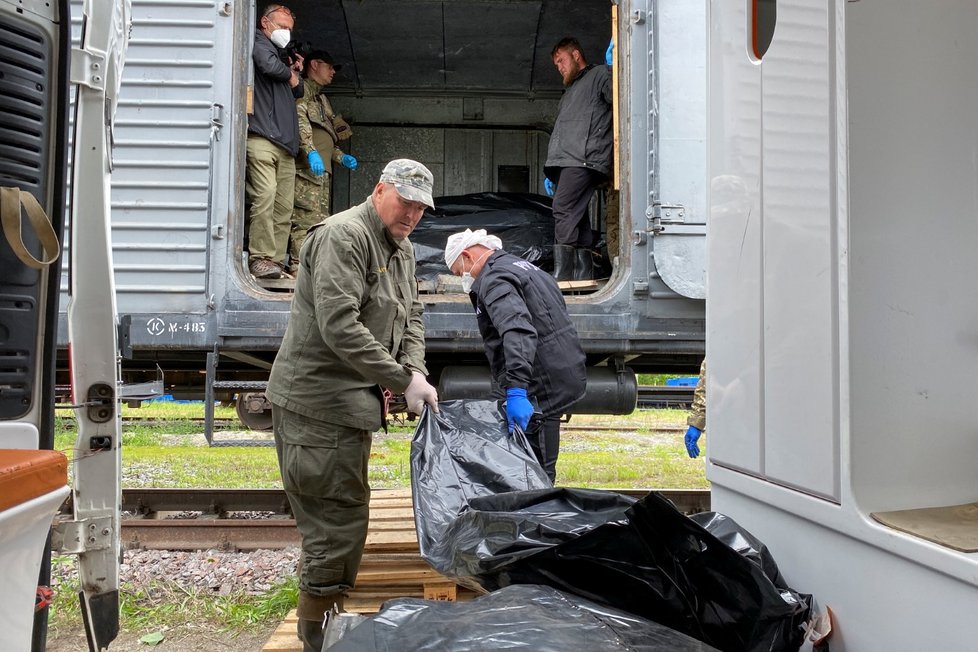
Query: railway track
253, 519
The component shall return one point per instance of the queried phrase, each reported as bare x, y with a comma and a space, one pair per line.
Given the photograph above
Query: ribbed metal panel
163, 155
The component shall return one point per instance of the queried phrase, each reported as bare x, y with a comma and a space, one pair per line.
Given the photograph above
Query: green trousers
324, 471
311, 207
270, 190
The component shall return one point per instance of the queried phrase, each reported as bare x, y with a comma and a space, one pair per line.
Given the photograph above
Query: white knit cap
457, 242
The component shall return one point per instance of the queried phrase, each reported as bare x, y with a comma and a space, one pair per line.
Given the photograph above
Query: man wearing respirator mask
273, 142
534, 354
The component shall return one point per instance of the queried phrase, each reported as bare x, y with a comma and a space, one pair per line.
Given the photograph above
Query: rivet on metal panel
225, 9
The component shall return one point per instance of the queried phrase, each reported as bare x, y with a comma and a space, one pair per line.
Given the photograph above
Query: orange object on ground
27, 474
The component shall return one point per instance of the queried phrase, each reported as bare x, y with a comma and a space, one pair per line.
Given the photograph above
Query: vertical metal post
209, 377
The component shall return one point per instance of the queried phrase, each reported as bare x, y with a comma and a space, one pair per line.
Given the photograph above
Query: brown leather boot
312, 612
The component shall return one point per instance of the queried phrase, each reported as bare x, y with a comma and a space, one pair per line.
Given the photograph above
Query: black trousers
544, 436
572, 225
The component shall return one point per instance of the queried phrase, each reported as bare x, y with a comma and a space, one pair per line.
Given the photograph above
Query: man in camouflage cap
355, 329
412, 180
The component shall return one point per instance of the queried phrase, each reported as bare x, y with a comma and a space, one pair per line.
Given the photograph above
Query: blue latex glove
349, 162
607, 55
518, 408
550, 187
693, 436
316, 163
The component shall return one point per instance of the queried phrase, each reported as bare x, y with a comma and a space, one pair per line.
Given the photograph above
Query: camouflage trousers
311, 207
324, 472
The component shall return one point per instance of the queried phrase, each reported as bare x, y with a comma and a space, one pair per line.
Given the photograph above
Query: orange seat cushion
27, 474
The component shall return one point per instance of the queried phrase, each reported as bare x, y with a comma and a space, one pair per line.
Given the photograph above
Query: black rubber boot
583, 264
312, 612
563, 262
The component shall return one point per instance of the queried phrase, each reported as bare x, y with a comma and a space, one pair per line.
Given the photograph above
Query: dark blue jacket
528, 335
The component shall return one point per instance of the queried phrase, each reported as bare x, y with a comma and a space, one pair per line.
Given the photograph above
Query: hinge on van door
85, 535
217, 119
659, 214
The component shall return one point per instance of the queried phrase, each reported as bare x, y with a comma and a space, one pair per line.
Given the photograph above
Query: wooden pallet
391, 568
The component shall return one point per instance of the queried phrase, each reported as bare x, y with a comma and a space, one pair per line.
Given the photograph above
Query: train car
841, 320
467, 87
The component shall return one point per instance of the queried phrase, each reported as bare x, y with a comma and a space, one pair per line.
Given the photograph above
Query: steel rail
148, 528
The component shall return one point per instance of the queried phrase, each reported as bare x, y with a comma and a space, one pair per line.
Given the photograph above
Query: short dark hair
567, 43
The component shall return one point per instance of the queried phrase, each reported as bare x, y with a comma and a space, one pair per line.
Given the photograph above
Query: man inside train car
320, 128
273, 142
535, 356
355, 328
579, 156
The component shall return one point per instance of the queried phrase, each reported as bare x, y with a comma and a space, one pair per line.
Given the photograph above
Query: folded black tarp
527, 617
497, 526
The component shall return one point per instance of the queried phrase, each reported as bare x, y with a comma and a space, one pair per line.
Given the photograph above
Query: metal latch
100, 403
76, 537
659, 214
217, 120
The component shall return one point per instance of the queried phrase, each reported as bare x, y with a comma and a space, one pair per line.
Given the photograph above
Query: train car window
764, 16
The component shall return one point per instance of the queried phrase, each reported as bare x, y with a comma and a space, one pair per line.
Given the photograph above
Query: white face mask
467, 278
280, 37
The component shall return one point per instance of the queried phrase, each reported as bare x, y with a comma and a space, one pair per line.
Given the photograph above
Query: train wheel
254, 411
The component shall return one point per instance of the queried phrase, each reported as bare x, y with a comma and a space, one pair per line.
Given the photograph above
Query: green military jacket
355, 323
697, 415
319, 129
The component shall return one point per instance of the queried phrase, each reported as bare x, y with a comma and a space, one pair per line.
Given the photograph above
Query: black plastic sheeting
483, 517
524, 222
527, 617
464, 452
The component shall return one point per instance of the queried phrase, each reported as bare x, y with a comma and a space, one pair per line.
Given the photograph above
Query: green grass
633, 452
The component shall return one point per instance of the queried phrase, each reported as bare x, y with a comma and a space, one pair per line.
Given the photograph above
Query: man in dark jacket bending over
533, 350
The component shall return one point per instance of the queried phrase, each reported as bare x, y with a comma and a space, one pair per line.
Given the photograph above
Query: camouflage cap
412, 180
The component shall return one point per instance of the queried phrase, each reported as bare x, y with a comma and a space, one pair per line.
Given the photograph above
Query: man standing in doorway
579, 157
355, 329
273, 142
320, 128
